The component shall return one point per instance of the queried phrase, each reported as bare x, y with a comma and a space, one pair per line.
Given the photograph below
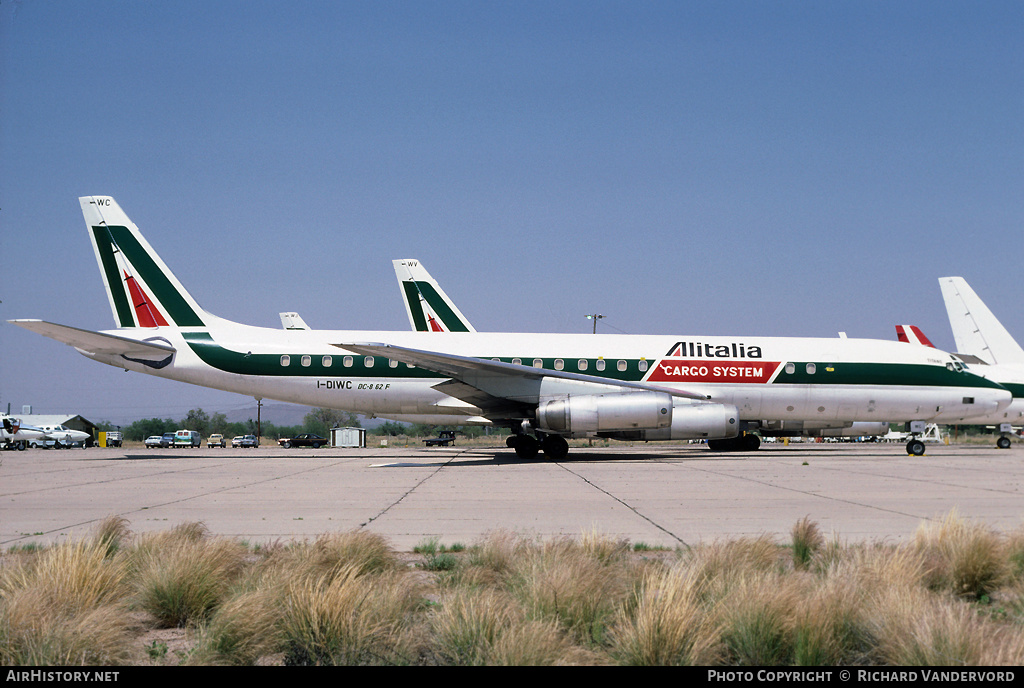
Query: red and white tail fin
912, 334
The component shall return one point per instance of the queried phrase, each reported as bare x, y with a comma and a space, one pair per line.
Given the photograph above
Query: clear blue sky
745, 168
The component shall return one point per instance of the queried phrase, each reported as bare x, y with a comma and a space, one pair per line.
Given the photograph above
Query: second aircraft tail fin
975, 329
428, 307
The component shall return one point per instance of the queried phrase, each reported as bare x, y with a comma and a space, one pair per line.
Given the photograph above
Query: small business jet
15, 435
545, 388
65, 437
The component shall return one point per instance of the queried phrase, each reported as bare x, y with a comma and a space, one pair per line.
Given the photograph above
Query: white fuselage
780, 378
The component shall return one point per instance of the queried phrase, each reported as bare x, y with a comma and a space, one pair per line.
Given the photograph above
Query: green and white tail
143, 292
428, 307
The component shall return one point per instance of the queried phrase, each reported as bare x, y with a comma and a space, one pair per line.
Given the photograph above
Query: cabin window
811, 368
286, 361
327, 361
347, 361
306, 361
517, 361
790, 368
393, 363
642, 366
621, 365
368, 361
559, 364
581, 364
600, 364
538, 363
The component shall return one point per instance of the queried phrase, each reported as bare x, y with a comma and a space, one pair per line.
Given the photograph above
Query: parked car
167, 440
216, 440
187, 438
307, 440
248, 442
154, 442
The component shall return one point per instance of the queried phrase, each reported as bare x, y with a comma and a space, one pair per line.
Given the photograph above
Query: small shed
348, 437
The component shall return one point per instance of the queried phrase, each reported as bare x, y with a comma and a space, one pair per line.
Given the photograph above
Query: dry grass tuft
963, 557
182, 578
807, 540
669, 623
350, 618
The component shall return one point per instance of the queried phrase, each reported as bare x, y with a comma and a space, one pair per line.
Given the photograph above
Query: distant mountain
280, 413
276, 413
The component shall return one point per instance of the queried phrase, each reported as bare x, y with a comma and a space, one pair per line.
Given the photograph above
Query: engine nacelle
606, 412
797, 428
639, 415
697, 421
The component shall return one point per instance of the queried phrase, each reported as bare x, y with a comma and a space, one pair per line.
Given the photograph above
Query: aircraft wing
97, 343
496, 387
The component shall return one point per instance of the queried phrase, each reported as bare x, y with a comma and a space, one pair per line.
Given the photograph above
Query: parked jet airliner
543, 387
980, 337
430, 309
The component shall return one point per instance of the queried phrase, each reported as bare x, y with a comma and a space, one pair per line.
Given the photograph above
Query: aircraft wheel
1003, 442
22, 446
751, 442
526, 447
915, 448
510, 441
555, 447
57, 444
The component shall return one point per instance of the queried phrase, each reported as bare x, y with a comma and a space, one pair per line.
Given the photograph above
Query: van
187, 438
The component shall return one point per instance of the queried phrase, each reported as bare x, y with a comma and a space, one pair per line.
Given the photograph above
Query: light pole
595, 317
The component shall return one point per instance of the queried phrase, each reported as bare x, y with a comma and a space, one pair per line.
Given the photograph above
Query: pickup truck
443, 439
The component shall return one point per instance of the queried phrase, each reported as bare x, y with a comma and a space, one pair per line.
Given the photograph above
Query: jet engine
638, 415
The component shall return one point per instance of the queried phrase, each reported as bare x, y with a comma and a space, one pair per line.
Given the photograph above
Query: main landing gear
915, 447
528, 446
738, 443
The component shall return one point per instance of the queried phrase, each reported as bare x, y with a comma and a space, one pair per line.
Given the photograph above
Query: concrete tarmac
655, 494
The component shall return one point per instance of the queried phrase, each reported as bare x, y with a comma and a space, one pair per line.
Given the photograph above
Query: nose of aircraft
995, 400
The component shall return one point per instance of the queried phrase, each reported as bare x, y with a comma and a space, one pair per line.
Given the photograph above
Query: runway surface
653, 494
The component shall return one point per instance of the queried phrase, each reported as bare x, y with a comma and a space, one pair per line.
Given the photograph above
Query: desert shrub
181, 580
962, 556
668, 623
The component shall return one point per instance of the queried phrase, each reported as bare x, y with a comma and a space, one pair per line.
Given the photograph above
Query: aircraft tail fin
293, 321
428, 307
912, 334
976, 330
143, 292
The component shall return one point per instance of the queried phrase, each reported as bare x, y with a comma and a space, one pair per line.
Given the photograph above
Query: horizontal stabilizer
97, 343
